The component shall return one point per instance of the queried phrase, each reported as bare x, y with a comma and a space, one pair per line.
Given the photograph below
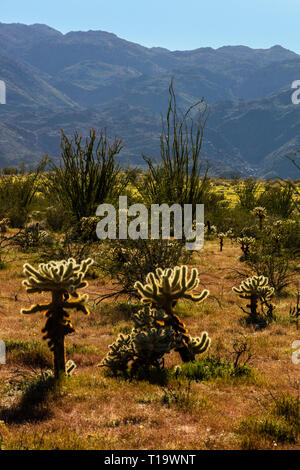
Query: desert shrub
277, 269
246, 191
64, 248
284, 235
234, 218
274, 253
128, 261
278, 200
56, 217
17, 193
87, 228
32, 237
183, 397
280, 424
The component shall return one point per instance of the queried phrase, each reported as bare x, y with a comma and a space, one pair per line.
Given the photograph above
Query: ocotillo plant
256, 289
62, 279
162, 290
261, 213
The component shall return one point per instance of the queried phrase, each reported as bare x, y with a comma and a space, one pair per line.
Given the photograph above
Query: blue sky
174, 24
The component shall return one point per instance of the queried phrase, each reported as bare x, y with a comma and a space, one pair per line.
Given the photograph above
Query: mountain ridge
85, 79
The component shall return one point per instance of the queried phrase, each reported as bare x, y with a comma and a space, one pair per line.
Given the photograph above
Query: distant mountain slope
24, 87
95, 79
262, 130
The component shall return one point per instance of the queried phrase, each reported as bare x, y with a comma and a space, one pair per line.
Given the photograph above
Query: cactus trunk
180, 330
253, 307
58, 338
59, 352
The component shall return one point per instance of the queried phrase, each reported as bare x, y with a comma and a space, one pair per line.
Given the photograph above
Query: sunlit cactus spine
261, 213
62, 279
162, 290
256, 289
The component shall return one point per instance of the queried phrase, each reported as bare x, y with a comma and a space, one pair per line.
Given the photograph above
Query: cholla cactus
229, 233
261, 213
4, 224
88, 227
221, 237
120, 354
162, 290
210, 230
150, 339
62, 279
256, 289
245, 243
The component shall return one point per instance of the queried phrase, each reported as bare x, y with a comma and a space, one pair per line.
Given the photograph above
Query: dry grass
91, 410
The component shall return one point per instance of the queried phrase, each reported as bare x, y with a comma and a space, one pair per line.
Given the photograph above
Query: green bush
210, 368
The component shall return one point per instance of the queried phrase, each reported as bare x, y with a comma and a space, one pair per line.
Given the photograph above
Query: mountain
89, 79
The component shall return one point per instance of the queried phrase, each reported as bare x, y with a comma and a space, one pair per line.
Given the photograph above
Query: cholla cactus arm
152, 344
200, 345
62, 279
148, 318
36, 308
